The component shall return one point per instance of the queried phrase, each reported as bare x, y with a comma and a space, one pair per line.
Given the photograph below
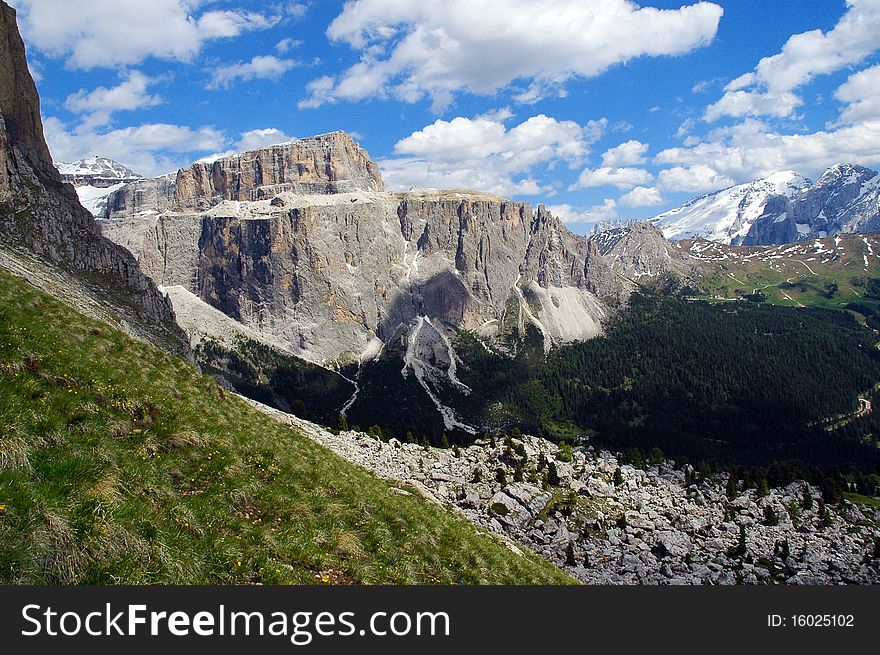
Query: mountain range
782, 208
291, 276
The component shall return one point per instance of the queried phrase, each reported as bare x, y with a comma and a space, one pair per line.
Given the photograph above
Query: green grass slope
831, 272
122, 464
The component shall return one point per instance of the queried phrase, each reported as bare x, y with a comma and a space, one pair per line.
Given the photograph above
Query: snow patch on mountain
94, 179
782, 208
727, 215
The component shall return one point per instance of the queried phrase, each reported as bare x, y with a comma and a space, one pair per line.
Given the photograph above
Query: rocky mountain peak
330, 163
784, 181
94, 179
19, 100
96, 171
781, 208
845, 173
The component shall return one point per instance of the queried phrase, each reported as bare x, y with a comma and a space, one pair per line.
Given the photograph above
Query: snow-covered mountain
782, 208
95, 178
727, 216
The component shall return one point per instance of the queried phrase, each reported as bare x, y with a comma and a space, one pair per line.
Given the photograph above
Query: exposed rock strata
325, 164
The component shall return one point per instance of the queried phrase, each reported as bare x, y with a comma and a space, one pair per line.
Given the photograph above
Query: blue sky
601, 110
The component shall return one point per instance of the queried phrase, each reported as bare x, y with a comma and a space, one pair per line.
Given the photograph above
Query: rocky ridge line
324, 164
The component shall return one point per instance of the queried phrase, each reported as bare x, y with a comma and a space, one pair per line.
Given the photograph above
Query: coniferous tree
552, 475
808, 498
732, 491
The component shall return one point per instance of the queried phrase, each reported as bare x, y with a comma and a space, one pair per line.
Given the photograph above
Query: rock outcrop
321, 260
639, 251
325, 164
328, 274
610, 523
45, 234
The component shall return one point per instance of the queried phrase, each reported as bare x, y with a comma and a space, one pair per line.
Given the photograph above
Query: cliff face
331, 277
321, 260
19, 101
325, 164
42, 222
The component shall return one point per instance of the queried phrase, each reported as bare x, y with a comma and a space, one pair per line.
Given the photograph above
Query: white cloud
320, 92
436, 48
149, 149
753, 103
685, 128
622, 178
861, 92
482, 153
642, 197
123, 32
256, 139
749, 150
263, 67
607, 211
768, 90
286, 45
704, 85
693, 179
297, 9
631, 153
98, 105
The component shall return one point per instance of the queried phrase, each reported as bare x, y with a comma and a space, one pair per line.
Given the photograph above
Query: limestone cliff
329, 163
329, 275
342, 273
45, 234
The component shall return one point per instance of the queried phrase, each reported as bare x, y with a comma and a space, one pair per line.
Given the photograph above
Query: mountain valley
267, 368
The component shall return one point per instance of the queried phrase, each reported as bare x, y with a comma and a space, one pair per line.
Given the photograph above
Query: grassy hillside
122, 464
831, 272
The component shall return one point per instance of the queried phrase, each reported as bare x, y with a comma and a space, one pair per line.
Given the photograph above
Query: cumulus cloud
123, 32
768, 90
698, 178
437, 48
622, 178
750, 150
263, 67
482, 153
607, 211
861, 92
98, 105
642, 197
753, 103
286, 45
631, 153
150, 149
